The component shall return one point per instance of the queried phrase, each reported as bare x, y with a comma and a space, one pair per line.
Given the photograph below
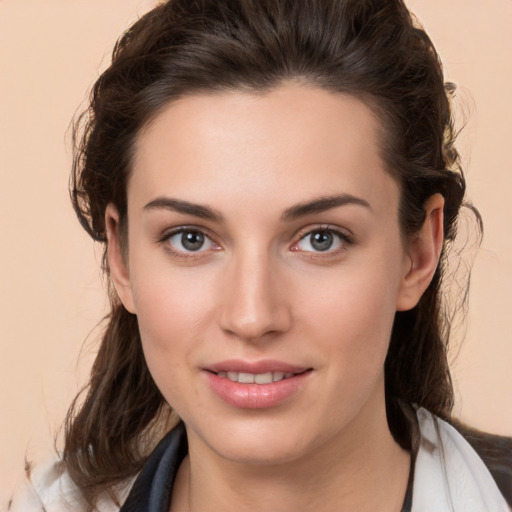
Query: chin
260, 452
262, 442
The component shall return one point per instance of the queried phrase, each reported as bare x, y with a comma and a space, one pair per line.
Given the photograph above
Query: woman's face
265, 265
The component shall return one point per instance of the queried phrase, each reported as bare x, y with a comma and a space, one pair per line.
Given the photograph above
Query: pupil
321, 240
192, 240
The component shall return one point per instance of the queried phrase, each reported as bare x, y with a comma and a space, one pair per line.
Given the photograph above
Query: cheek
355, 324
174, 310
357, 297
351, 315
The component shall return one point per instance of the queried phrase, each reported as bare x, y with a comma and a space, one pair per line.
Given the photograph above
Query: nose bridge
253, 306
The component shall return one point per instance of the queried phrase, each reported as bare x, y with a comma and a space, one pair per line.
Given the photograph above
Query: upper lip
255, 367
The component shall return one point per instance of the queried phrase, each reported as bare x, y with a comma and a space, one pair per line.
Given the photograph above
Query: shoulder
496, 453
449, 472
48, 488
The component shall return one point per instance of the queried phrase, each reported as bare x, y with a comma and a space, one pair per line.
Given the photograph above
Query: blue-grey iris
192, 240
321, 240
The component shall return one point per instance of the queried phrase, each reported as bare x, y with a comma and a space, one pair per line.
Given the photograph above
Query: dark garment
152, 489
496, 452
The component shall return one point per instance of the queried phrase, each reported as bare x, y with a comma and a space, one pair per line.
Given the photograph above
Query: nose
254, 306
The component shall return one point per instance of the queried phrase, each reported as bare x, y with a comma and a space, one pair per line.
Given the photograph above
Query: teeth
277, 376
258, 378
246, 378
263, 378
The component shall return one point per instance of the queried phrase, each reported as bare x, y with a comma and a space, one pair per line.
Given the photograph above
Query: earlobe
424, 250
116, 259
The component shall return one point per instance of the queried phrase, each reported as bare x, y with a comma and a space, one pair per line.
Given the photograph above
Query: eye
322, 240
189, 241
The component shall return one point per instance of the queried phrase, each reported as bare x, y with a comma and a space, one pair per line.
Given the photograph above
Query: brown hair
372, 49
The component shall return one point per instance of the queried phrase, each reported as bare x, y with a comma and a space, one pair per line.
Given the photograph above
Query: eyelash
180, 231
344, 239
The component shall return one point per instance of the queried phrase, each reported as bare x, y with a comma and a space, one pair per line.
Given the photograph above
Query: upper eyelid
168, 233
343, 232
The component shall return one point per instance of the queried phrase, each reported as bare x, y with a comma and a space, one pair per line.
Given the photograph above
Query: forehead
291, 141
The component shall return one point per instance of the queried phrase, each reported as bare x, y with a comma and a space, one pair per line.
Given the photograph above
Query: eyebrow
295, 212
322, 204
180, 206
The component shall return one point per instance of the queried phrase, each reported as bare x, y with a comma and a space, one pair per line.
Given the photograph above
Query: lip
256, 396
263, 366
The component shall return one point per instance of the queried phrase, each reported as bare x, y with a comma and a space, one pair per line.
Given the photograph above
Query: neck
363, 469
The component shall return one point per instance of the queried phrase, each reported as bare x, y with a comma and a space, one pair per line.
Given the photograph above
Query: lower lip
256, 396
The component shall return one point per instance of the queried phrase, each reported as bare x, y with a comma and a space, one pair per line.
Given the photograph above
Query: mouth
256, 372
257, 385
257, 378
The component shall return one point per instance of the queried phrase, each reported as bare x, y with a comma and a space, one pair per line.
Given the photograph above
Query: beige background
51, 292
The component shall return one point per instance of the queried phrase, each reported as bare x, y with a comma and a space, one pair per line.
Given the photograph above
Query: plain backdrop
51, 292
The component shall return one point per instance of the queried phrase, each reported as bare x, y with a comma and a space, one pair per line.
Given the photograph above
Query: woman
276, 186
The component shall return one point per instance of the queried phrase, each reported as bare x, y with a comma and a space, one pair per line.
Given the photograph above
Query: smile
260, 385
255, 378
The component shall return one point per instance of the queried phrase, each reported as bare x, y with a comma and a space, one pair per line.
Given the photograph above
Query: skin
258, 289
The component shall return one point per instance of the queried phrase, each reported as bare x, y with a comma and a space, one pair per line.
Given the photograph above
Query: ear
117, 260
423, 251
